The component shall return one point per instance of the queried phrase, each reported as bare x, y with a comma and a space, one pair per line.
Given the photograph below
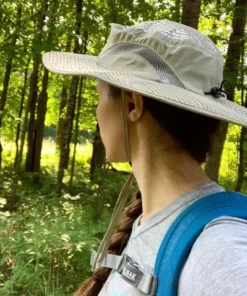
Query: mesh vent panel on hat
175, 31
163, 70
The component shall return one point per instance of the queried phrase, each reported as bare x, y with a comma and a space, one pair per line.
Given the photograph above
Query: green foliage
229, 163
46, 245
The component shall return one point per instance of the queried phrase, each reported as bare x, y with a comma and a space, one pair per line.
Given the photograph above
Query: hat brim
85, 65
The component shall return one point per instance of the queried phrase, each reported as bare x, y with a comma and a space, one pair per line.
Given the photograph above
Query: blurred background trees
57, 189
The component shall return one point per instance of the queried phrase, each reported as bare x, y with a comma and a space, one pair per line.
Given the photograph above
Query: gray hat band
164, 72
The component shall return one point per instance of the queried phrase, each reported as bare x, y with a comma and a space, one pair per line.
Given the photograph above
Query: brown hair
195, 132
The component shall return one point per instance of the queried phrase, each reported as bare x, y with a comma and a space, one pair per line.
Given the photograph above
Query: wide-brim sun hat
163, 60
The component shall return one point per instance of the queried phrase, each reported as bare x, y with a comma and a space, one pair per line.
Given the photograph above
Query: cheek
98, 112
111, 132
102, 116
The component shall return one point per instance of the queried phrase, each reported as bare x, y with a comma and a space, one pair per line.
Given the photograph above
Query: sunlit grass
49, 168
49, 155
50, 160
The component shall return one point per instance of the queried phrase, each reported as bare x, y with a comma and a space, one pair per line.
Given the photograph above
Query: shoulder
217, 264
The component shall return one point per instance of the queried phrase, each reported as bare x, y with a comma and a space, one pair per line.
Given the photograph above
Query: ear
135, 105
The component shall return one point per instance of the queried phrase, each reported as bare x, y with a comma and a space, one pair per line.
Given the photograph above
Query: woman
161, 101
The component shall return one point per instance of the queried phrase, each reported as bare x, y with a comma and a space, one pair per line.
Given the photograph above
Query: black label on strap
131, 272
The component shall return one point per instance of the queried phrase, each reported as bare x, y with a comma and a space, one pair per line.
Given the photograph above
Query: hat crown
165, 31
166, 52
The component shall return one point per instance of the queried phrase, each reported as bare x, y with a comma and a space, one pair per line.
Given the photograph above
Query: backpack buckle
131, 273
129, 270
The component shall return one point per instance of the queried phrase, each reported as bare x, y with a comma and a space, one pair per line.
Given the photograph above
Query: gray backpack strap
102, 250
109, 260
130, 272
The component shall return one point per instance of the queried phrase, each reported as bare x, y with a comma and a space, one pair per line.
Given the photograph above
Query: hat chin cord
121, 201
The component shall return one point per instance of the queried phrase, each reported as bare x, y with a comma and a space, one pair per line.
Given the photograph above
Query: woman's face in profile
110, 119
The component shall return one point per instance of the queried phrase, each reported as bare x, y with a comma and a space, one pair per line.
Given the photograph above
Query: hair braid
119, 240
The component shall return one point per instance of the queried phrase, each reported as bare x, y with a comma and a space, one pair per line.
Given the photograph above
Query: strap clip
132, 274
130, 271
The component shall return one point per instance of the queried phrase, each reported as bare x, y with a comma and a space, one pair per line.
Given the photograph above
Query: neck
163, 177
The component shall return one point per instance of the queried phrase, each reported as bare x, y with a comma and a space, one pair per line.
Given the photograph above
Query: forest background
57, 189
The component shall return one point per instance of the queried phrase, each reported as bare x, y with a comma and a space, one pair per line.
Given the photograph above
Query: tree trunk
12, 198
66, 128
33, 91
19, 154
6, 80
64, 153
243, 137
84, 51
79, 101
191, 13
76, 50
4, 98
98, 156
42, 101
23, 94
236, 43
214, 158
243, 134
7, 73
231, 73
71, 123
33, 94
40, 123
62, 109
241, 165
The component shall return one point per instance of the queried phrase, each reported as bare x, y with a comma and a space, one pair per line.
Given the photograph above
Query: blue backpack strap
184, 231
